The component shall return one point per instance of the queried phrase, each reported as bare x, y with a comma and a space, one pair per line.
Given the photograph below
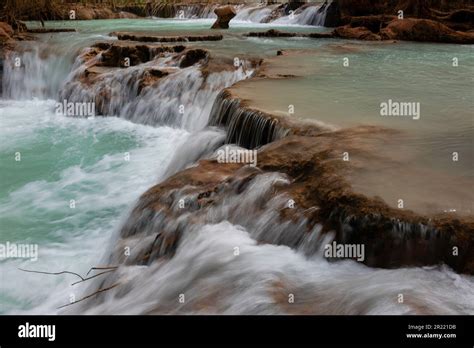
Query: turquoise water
84, 160
422, 170
64, 159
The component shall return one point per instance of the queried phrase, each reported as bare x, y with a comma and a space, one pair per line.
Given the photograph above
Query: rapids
104, 164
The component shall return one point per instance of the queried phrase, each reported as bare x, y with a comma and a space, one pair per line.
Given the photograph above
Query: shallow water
346, 96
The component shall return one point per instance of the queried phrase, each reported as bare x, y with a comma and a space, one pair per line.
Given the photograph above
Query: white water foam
260, 279
104, 189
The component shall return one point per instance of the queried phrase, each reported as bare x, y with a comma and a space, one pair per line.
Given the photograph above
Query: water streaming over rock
307, 15
245, 127
196, 11
236, 256
223, 246
34, 72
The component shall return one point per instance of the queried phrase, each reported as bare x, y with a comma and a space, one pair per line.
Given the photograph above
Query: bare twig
94, 268
109, 269
95, 275
89, 296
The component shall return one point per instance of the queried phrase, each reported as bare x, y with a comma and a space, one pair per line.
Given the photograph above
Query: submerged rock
160, 38
359, 33
272, 33
6, 43
224, 15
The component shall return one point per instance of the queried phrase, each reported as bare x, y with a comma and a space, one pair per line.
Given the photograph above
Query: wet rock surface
224, 15
314, 177
6, 43
424, 30
381, 28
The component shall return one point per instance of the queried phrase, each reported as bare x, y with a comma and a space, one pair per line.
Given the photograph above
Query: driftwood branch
108, 270
106, 267
90, 295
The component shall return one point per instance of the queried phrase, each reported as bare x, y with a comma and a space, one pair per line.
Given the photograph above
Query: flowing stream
76, 180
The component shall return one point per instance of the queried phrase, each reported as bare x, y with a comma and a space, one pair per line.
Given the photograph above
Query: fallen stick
52, 273
95, 275
88, 296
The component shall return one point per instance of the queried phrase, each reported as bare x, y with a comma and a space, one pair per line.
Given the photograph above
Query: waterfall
221, 243
311, 15
182, 97
201, 144
196, 11
245, 127
224, 235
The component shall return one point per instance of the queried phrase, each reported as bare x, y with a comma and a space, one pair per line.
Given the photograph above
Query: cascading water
314, 15
237, 257
78, 176
256, 14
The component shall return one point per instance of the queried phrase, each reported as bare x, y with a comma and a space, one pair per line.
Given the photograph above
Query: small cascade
311, 15
276, 14
403, 242
247, 199
245, 127
196, 11
200, 144
158, 92
319, 19
162, 10
245, 203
